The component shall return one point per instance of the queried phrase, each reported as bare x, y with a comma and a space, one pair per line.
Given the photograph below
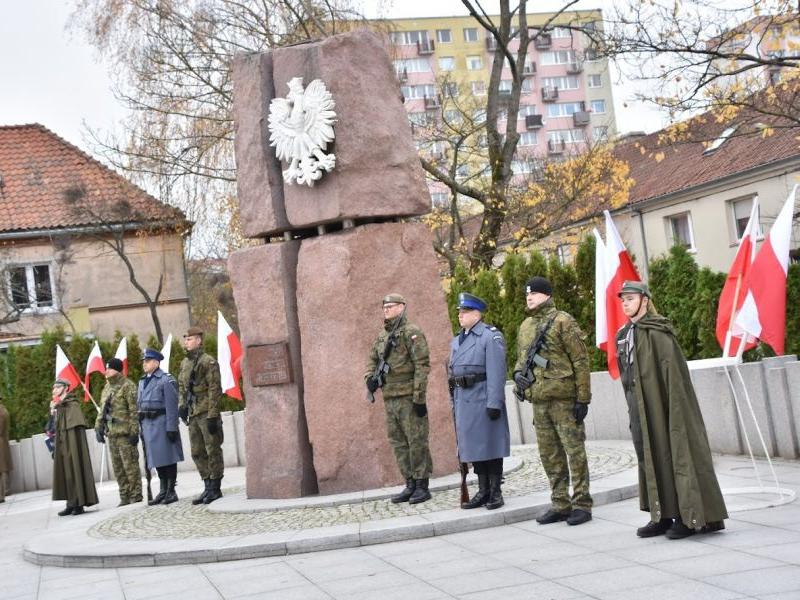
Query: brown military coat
73, 478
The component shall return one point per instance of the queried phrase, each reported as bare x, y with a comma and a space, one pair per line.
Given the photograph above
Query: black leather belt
467, 381
152, 414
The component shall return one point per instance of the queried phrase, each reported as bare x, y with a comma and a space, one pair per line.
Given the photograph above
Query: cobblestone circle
183, 521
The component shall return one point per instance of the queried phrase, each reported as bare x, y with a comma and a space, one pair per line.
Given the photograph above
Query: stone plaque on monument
269, 364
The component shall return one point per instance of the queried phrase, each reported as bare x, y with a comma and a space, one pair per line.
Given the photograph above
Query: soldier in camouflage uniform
560, 393
200, 396
404, 389
119, 423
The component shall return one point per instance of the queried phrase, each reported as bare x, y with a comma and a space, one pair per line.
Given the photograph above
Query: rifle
190, 396
533, 358
462, 466
147, 474
383, 366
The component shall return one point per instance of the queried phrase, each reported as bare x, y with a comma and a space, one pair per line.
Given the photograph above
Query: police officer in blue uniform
157, 404
477, 371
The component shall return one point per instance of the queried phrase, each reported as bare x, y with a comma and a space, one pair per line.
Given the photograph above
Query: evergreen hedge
27, 373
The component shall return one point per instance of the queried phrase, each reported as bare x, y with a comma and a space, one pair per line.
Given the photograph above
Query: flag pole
729, 333
88, 393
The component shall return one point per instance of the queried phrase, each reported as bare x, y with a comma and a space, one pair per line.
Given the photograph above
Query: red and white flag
733, 293
763, 313
122, 354
166, 351
65, 370
229, 357
94, 364
600, 326
618, 269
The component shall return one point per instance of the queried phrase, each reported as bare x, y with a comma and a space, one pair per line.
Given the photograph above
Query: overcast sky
51, 76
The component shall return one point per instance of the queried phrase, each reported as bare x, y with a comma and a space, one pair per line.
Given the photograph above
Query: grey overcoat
482, 351
160, 392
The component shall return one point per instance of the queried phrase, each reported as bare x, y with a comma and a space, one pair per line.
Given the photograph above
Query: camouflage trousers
562, 450
125, 462
206, 447
408, 436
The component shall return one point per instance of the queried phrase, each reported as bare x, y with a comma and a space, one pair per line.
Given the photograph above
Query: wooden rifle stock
462, 466
147, 474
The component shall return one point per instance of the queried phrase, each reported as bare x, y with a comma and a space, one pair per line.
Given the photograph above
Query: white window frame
558, 57
567, 136
412, 65
527, 85
526, 110
440, 36
478, 88
564, 254
470, 34
591, 77
562, 82
563, 109
472, 60
560, 33
525, 138
732, 213
671, 229
33, 303
449, 63
600, 133
409, 38
594, 110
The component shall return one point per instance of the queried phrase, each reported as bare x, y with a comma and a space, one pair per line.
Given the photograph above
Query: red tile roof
47, 183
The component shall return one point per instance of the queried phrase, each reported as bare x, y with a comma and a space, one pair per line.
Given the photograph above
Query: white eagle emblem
301, 125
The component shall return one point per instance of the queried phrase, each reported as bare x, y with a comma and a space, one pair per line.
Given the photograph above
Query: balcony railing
426, 47
533, 121
491, 43
529, 69
433, 102
556, 146
581, 118
543, 41
549, 94
574, 68
402, 76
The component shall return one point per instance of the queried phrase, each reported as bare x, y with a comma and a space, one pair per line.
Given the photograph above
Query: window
478, 88
563, 253
525, 110
568, 136
462, 171
450, 89
418, 118
505, 85
447, 63
439, 199
680, 229
527, 138
720, 140
31, 287
590, 54
741, 209
600, 134
479, 115
570, 82
594, 80
470, 34
412, 65
411, 92
408, 38
527, 85
444, 36
564, 109
560, 32
452, 116
520, 167
474, 63
558, 57
598, 106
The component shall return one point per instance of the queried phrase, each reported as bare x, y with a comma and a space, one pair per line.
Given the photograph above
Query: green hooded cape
73, 478
677, 478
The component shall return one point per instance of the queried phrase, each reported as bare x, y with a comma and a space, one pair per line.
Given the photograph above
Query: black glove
101, 438
523, 382
372, 384
421, 410
212, 424
580, 410
172, 436
183, 413
133, 439
494, 413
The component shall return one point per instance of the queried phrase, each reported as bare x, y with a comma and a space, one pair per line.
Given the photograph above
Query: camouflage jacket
207, 387
567, 374
409, 361
118, 414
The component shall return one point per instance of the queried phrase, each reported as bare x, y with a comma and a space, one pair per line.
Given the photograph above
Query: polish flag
166, 351
229, 357
763, 313
65, 370
618, 269
600, 326
122, 354
733, 293
93, 365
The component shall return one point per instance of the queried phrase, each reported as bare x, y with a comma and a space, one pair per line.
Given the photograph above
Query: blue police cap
150, 354
471, 302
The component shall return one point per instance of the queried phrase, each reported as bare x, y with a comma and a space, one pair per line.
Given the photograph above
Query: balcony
543, 41
426, 47
549, 94
529, 69
533, 121
574, 68
581, 118
402, 76
556, 146
503, 97
491, 43
433, 102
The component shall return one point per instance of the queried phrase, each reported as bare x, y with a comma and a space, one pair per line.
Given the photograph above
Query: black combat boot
201, 498
679, 531
654, 528
161, 494
481, 497
171, 495
495, 491
579, 516
553, 516
68, 510
214, 493
406, 493
78, 510
123, 501
421, 493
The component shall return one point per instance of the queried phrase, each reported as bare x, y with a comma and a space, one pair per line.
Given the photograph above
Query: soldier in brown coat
5, 451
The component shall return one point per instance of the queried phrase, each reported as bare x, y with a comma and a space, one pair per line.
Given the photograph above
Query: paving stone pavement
182, 520
757, 557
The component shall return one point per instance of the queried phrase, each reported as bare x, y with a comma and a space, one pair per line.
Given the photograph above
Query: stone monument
309, 295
